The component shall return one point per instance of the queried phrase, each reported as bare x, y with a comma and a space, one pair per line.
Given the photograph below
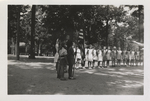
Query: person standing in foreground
62, 61
71, 60
56, 54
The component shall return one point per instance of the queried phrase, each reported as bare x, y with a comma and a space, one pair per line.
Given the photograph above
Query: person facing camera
62, 62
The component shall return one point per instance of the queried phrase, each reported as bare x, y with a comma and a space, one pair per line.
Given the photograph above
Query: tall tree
32, 48
18, 31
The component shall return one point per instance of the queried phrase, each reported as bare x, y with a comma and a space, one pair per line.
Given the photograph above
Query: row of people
105, 55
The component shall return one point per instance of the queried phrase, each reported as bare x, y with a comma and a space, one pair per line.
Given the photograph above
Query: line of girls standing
110, 57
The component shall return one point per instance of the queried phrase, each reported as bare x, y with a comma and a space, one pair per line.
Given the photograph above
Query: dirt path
38, 76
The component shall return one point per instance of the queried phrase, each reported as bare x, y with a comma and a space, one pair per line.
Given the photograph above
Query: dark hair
69, 43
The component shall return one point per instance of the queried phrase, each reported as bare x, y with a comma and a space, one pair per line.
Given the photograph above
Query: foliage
99, 23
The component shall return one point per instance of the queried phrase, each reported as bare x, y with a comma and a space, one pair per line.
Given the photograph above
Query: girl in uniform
94, 53
56, 54
141, 57
119, 56
78, 57
108, 56
113, 56
89, 56
137, 56
104, 55
126, 56
99, 57
123, 57
132, 54
86, 59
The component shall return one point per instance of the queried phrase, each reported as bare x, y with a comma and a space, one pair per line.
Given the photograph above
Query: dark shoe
71, 78
63, 79
58, 77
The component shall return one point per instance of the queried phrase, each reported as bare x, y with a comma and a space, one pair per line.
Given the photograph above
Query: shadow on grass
40, 78
24, 58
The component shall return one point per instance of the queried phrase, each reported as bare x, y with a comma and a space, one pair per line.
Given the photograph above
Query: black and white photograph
75, 49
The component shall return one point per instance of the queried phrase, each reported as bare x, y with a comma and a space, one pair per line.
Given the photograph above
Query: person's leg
123, 62
62, 66
107, 63
131, 62
119, 62
103, 63
98, 63
127, 62
70, 74
77, 64
56, 66
135, 62
58, 70
88, 64
114, 62
93, 63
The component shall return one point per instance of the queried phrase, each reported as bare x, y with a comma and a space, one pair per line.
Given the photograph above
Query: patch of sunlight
32, 86
51, 68
138, 70
122, 69
37, 67
116, 76
90, 72
60, 93
112, 83
129, 73
131, 85
24, 67
100, 74
118, 73
29, 90
111, 69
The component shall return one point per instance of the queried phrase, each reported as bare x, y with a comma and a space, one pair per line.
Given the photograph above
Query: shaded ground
38, 76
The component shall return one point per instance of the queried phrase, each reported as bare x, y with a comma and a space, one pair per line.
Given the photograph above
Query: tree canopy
101, 24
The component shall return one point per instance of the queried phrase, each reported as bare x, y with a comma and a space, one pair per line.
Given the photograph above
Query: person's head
100, 47
63, 45
67, 37
104, 47
108, 47
90, 46
57, 41
73, 44
119, 48
70, 43
114, 48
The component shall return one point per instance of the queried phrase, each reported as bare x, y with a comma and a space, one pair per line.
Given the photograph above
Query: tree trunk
107, 27
32, 49
139, 10
107, 33
17, 36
